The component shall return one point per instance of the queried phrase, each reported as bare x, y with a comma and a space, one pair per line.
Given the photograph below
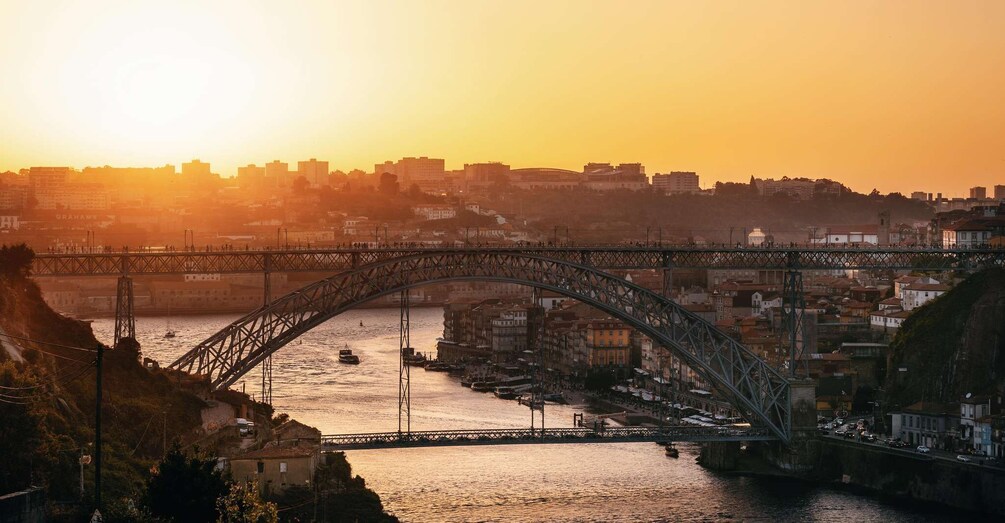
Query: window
261, 467
282, 466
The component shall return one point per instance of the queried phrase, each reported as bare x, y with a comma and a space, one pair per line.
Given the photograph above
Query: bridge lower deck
435, 438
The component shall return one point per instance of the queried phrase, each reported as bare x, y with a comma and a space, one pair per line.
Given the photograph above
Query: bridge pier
266, 396
792, 292
404, 369
125, 320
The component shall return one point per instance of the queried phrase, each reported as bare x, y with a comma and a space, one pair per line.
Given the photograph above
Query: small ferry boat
672, 452
510, 392
346, 356
438, 366
469, 379
411, 358
169, 334
483, 386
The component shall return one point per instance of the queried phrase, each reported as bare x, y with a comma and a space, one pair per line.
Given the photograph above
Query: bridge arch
753, 387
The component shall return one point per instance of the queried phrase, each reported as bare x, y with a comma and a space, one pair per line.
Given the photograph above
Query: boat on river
438, 366
509, 392
672, 452
411, 358
484, 386
346, 356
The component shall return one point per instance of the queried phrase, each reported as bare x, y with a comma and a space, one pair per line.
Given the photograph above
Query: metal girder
758, 391
690, 433
125, 320
605, 256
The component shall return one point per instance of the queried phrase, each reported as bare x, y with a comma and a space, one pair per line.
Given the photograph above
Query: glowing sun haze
895, 95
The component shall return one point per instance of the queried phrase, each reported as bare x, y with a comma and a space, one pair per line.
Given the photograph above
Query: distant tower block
883, 234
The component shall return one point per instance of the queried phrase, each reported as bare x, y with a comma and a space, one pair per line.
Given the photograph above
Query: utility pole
97, 432
164, 433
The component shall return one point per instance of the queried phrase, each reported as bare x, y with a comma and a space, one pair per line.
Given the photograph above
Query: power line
32, 340
54, 378
65, 379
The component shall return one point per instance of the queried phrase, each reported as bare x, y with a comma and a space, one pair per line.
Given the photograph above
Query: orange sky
899, 96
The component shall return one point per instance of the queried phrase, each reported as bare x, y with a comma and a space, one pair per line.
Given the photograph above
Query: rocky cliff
953, 345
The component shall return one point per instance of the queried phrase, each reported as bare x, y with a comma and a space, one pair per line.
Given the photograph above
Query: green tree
243, 505
185, 488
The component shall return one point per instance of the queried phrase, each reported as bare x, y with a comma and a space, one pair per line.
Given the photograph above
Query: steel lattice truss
690, 433
753, 387
610, 257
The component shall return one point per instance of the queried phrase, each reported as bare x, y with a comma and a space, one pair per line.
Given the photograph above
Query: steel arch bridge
757, 390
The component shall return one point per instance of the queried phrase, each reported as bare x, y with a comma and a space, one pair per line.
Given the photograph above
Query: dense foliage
185, 488
15, 260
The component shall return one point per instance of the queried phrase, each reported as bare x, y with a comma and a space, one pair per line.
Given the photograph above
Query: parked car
923, 449
963, 458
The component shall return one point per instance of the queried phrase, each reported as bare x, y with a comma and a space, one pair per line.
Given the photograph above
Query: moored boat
484, 386
346, 356
411, 358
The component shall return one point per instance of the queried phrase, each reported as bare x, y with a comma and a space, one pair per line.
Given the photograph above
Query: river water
514, 483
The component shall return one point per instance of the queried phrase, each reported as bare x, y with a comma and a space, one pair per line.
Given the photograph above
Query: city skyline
894, 96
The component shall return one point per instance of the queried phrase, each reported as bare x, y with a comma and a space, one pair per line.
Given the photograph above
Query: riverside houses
927, 423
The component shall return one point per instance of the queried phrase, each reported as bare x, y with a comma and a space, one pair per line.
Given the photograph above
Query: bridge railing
516, 435
606, 256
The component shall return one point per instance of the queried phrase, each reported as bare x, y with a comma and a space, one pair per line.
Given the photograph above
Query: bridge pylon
266, 300
404, 369
125, 320
792, 292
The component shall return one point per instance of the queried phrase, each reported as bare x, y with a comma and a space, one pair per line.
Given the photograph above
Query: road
933, 454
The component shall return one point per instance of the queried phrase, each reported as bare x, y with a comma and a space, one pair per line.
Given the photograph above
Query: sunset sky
899, 96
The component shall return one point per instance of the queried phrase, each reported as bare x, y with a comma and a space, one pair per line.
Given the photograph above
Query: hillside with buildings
419, 200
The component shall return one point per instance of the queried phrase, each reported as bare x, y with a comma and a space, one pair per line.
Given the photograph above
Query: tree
243, 505
22, 427
185, 488
388, 184
15, 260
300, 184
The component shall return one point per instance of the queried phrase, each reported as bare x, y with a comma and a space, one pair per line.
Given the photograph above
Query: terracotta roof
275, 452
933, 407
976, 224
890, 301
926, 287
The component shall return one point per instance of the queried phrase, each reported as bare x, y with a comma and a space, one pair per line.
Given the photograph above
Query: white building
10, 222
756, 237
972, 432
888, 319
917, 294
761, 301
677, 182
434, 211
967, 233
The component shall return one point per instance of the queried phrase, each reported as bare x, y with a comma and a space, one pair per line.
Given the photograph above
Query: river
513, 483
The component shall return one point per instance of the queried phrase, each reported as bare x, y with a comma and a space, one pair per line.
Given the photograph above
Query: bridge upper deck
601, 256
